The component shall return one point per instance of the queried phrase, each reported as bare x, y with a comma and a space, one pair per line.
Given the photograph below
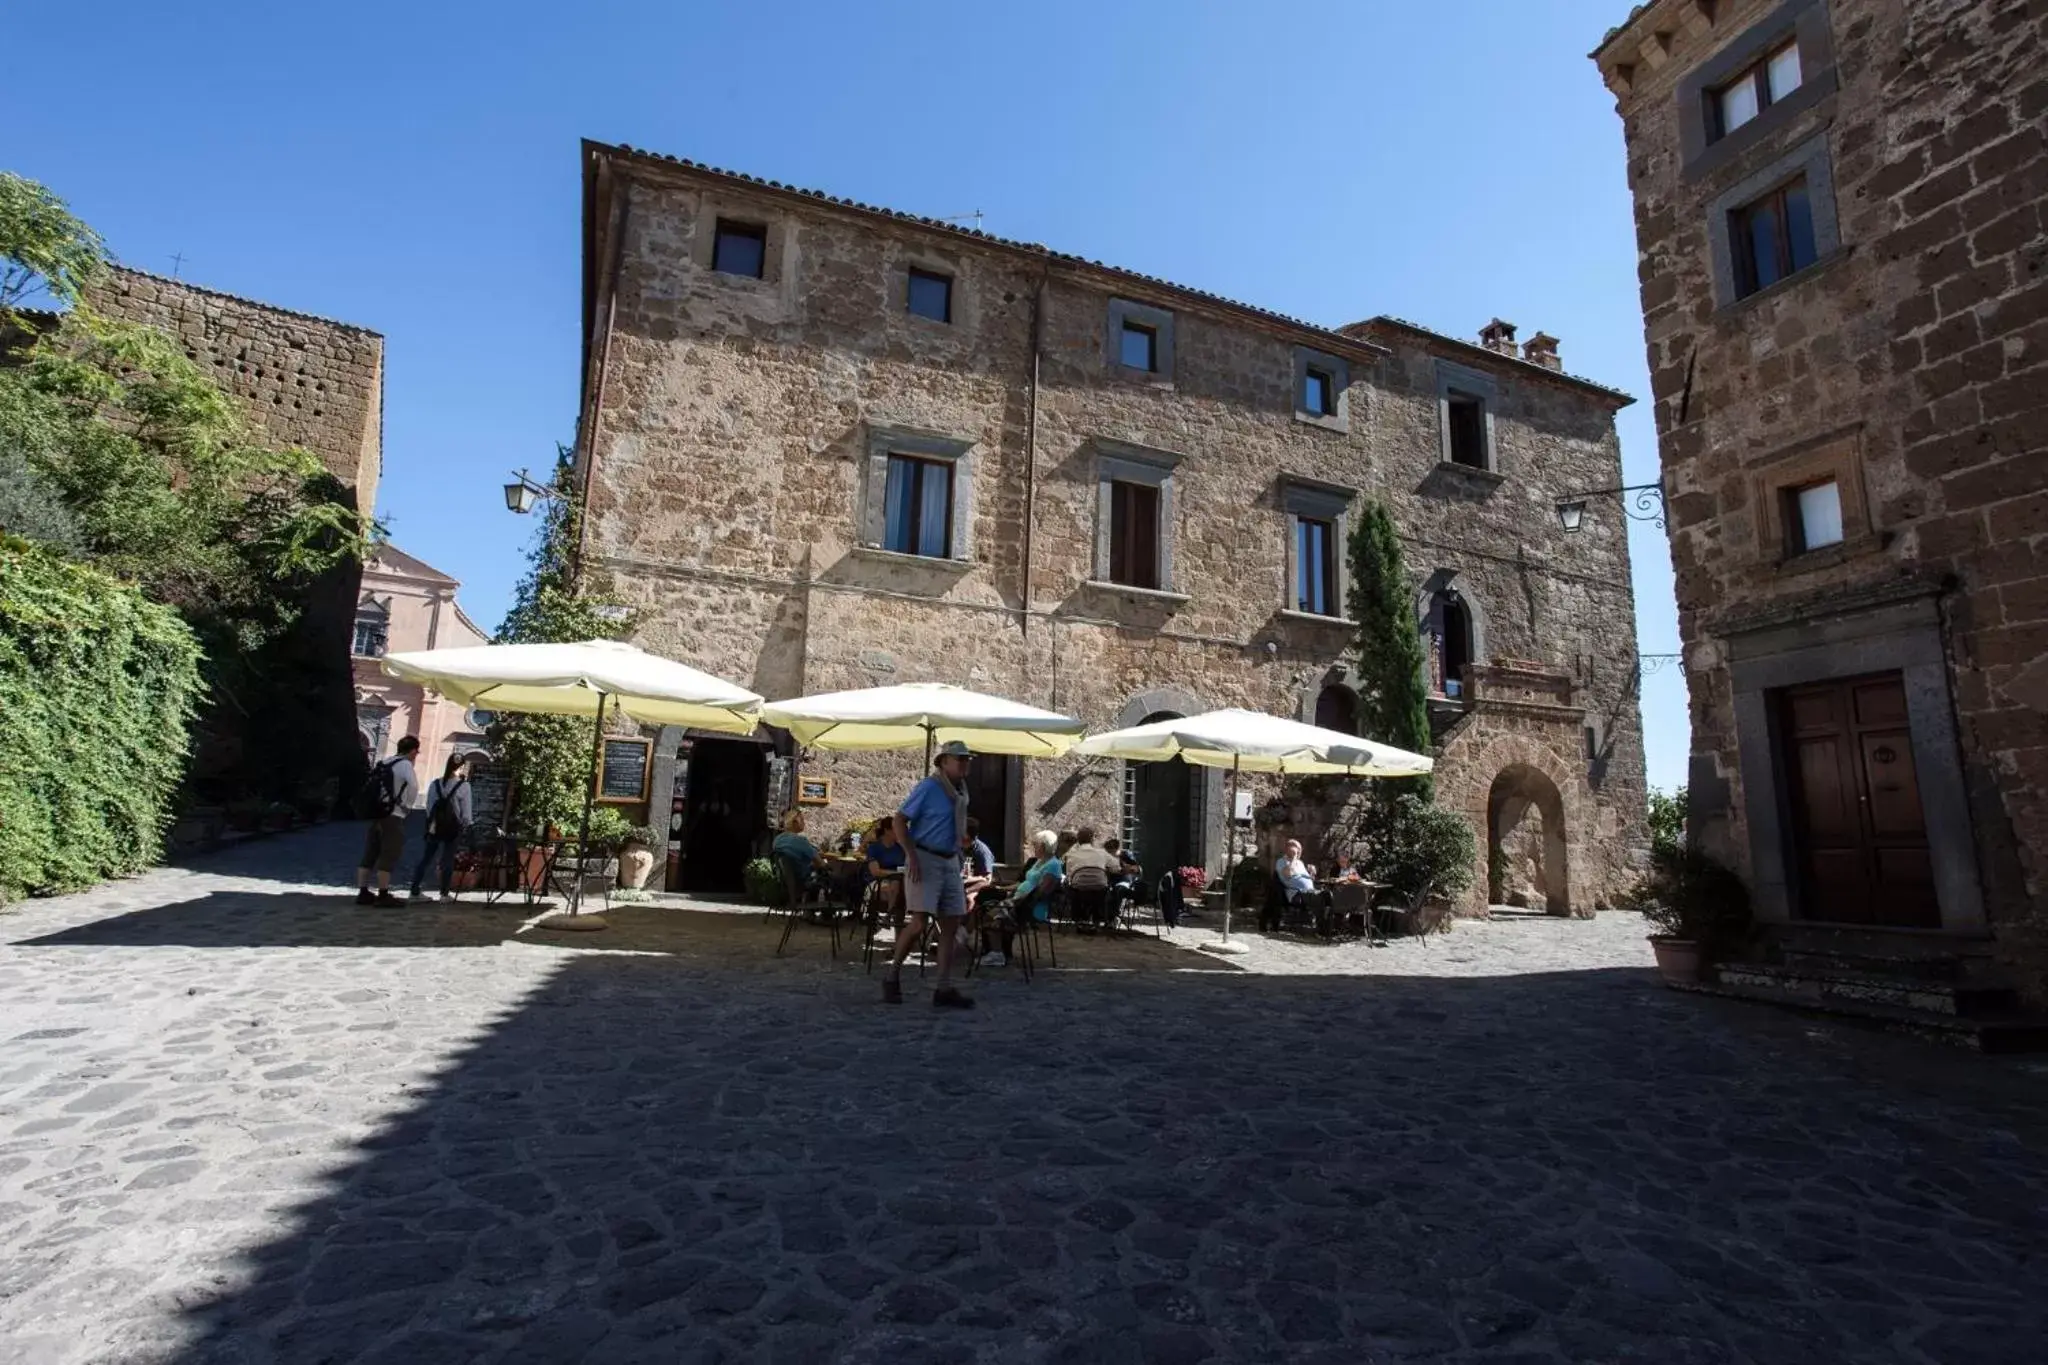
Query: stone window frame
370, 609
1809, 159
1338, 370
913, 268
1836, 457
1161, 322
1123, 462
1451, 378
1901, 636
1306, 499
704, 241
884, 441
1429, 619
1700, 152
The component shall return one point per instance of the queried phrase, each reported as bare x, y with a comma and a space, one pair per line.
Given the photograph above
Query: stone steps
1830, 981
1964, 1016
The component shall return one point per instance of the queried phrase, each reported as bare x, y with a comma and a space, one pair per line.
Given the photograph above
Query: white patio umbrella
584, 679
906, 715
1252, 741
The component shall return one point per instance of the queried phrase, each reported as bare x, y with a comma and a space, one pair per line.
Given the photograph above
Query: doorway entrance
1859, 835
1525, 842
991, 781
724, 813
1164, 811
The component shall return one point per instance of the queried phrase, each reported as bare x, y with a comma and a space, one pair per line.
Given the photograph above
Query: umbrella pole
589, 797
1230, 861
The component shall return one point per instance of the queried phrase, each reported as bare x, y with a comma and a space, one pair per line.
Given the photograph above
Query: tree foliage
1420, 850
1667, 818
44, 247
97, 687
1392, 703
548, 757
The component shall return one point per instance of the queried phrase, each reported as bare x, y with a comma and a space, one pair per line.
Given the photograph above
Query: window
918, 503
1813, 518
1466, 415
1454, 646
1318, 392
1139, 347
1756, 88
1315, 567
1337, 709
740, 248
371, 635
1133, 534
1772, 237
931, 295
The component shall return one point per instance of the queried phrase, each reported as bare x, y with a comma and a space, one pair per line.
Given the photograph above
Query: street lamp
1646, 504
524, 494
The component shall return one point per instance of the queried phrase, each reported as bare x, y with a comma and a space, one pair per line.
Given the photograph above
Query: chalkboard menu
490, 793
622, 776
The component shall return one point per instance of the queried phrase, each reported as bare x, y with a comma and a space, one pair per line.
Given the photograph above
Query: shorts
939, 888
382, 843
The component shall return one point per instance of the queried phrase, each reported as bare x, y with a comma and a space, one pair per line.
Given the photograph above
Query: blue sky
413, 169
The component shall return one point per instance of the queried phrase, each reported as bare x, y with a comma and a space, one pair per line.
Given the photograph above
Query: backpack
379, 795
442, 820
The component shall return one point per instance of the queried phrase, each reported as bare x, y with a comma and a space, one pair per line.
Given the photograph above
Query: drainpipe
604, 355
1038, 302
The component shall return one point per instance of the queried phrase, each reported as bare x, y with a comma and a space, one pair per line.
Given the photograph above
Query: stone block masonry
738, 431
1907, 366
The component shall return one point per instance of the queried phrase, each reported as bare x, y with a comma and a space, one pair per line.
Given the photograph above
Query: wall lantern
1639, 502
523, 495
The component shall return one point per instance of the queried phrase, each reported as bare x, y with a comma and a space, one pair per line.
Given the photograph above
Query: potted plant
1421, 853
636, 857
763, 882
1697, 910
608, 830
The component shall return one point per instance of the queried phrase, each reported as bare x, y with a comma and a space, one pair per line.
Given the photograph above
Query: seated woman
792, 848
1344, 871
884, 854
1128, 882
1033, 895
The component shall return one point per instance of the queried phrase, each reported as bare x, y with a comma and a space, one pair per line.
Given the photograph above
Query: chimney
1499, 337
1541, 349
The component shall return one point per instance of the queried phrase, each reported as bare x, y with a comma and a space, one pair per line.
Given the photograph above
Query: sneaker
949, 998
892, 990
365, 896
995, 960
386, 898
446, 897
416, 895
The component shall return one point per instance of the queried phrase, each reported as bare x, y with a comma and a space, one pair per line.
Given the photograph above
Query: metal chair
1412, 915
798, 901
1349, 900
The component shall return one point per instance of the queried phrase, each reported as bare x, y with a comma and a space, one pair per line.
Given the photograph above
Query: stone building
830, 446
302, 381
407, 604
1838, 210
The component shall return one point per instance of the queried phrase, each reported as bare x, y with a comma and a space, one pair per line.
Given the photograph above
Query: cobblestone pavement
243, 1120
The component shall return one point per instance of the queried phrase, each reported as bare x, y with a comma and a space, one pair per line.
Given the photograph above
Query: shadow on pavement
654, 1159
255, 919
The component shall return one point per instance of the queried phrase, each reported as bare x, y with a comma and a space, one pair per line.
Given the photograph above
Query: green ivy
97, 689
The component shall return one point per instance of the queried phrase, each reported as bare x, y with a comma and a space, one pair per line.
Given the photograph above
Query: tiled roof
1623, 399
976, 234
253, 303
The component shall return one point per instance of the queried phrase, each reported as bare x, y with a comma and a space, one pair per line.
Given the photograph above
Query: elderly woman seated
792, 849
1032, 897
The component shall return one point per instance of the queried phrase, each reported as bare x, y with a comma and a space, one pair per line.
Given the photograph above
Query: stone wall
728, 465
1911, 362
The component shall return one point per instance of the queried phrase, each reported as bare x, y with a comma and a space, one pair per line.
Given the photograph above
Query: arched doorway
1163, 810
1337, 709
1525, 842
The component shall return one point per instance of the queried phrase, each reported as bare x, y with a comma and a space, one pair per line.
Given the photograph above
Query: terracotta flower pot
1678, 959
636, 862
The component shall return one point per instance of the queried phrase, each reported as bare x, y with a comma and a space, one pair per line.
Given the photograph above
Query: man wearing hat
932, 824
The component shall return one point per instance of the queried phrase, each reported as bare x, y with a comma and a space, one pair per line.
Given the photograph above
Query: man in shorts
386, 837
931, 827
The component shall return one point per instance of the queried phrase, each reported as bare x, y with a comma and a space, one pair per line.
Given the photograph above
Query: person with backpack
383, 801
448, 815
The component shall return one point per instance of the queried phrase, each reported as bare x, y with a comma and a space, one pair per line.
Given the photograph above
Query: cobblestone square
243, 1120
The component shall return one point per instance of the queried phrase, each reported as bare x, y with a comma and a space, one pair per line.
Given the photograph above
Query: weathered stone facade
302, 381
736, 429
1907, 366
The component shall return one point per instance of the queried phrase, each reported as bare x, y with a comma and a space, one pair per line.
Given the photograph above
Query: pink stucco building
406, 604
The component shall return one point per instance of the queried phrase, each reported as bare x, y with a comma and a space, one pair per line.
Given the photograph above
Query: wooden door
1859, 837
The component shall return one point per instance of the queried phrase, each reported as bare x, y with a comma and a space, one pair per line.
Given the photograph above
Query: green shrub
1667, 818
763, 882
97, 689
1688, 895
1419, 850
608, 828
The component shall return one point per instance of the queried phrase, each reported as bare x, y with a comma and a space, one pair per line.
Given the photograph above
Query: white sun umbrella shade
906, 715
568, 679
1256, 743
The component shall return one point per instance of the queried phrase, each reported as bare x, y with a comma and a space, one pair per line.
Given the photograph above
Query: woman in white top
448, 815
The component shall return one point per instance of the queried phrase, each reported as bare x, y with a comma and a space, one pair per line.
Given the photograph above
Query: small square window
1815, 517
931, 295
1138, 347
1772, 237
1758, 87
740, 248
1318, 392
1467, 417
1134, 534
918, 507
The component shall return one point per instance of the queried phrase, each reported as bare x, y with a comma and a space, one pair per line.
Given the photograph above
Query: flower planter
1678, 960
1212, 901
636, 864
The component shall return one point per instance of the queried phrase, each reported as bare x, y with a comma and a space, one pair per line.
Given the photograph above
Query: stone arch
1205, 785
1340, 675
1154, 700
1537, 773
1525, 825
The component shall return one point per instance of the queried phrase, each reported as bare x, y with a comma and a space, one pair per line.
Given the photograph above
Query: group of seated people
1294, 883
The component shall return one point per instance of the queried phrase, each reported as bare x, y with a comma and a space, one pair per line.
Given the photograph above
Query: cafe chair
800, 902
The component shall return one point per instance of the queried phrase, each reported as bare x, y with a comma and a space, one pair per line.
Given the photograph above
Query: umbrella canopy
1257, 743
911, 714
572, 680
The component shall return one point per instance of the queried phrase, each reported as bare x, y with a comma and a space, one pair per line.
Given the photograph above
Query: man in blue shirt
932, 825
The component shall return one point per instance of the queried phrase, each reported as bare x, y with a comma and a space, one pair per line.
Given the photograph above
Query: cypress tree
1392, 703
